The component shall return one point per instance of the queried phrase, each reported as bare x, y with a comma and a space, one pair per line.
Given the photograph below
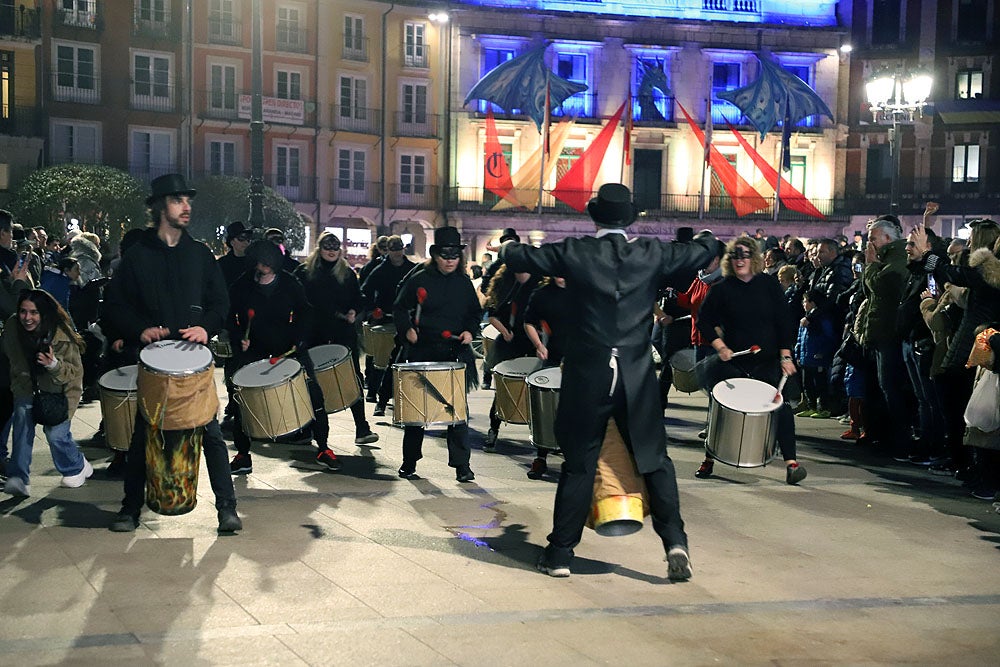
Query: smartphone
22, 259
858, 267
932, 285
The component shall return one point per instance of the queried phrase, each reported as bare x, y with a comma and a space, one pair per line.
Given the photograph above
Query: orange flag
577, 186
497, 177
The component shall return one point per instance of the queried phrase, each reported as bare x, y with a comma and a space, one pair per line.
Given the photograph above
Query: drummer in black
548, 319
506, 301
438, 330
379, 289
278, 328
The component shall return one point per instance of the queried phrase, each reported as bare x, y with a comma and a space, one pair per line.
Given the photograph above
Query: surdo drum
273, 398
381, 340
742, 423
333, 368
429, 393
119, 401
509, 380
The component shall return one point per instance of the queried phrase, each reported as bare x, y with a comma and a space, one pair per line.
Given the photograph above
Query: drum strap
613, 365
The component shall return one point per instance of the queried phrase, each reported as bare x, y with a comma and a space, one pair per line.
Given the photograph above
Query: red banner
577, 186
497, 177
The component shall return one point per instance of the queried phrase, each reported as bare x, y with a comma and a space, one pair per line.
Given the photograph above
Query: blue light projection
805, 13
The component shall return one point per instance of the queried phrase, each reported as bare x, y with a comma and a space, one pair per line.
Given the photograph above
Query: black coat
233, 267
331, 300
550, 305
614, 284
980, 272
282, 315
157, 285
379, 288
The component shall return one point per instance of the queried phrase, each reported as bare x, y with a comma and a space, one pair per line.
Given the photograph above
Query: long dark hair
52, 316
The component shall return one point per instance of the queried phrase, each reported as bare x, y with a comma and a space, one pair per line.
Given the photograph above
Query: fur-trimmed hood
82, 247
988, 265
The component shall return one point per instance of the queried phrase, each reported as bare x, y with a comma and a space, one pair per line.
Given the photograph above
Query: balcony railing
733, 6
355, 48
580, 105
411, 196
20, 22
22, 121
354, 119
90, 18
293, 187
347, 192
225, 31
147, 96
218, 104
150, 23
76, 88
653, 111
409, 124
416, 57
292, 40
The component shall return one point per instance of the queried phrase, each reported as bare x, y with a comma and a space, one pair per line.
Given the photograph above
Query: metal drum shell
683, 363
543, 404
743, 438
415, 405
509, 383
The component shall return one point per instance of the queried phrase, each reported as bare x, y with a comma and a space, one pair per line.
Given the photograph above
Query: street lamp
897, 97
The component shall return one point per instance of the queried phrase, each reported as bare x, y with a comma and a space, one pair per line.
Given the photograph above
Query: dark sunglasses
739, 253
245, 238
448, 252
330, 245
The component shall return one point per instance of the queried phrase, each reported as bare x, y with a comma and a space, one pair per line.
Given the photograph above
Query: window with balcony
969, 84
74, 141
76, 74
725, 76
414, 45
972, 21
352, 111
355, 44
289, 33
78, 13
412, 175
649, 80
965, 165
151, 153
886, 22
223, 28
152, 17
575, 67
414, 104
222, 96
222, 158
287, 177
350, 170
288, 85
152, 82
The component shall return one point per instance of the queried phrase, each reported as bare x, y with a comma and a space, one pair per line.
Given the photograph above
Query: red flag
497, 177
628, 130
745, 199
790, 197
576, 187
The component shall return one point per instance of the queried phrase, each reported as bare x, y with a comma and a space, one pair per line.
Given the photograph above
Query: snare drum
742, 423
273, 398
429, 393
176, 385
543, 403
512, 390
334, 372
683, 363
381, 341
119, 401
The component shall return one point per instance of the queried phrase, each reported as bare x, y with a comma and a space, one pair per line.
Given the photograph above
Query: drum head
324, 356
175, 357
522, 367
263, 374
547, 378
428, 366
491, 332
746, 395
384, 329
683, 360
120, 379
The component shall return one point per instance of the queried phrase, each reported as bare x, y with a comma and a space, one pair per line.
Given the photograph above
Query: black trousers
574, 494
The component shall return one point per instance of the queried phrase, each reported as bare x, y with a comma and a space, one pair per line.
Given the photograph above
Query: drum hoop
328, 364
265, 386
175, 374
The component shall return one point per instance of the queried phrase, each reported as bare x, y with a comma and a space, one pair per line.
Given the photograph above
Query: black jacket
749, 313
512, 303
233, 267
549, 307
330, 301
282, 315
910, 325
451, 304
379, 288
157, 285
980, 272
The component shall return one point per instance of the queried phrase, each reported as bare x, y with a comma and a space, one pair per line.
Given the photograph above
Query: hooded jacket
66, 377
89, 257
982, 276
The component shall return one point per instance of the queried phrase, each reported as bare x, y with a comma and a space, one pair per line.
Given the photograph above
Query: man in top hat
435, 312
169, 286
508, 234
607, 368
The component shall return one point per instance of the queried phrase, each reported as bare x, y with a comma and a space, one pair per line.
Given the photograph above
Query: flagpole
705, 167
781, 159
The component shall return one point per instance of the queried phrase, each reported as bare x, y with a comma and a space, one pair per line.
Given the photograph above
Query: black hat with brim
447, 237
612, 207
169, 184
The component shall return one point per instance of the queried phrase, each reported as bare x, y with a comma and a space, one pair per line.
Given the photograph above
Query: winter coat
66, 377
816, 341
282, 315
883, 281
89, 257
331, 300
981, 274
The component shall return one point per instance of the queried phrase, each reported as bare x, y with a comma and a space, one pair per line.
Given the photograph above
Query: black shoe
945, 469
125, 522
538, 468
464, 474
328, 458
408, 470
794, 473
704, 471
229, 521
560, 570
490, 444
678, 564
241, 465
379, 411
371, 398
984, 492
366, 438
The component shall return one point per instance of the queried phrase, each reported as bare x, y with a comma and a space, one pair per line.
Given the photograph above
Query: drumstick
781, 385
421, 297
377, 313
753, 349
682, 317
250, 314
445, 334
290, 352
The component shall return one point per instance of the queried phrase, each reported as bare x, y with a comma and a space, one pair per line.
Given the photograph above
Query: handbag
983, 409
48, 408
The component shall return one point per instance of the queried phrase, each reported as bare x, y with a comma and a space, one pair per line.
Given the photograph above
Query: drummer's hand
350, 316
244, 345
542, 352
118, 345
508, 335
195, 335
465, 337
664, 320
788, 367
153, 334
725, 354
411, 336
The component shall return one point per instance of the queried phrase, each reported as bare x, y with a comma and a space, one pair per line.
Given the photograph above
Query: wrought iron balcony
417, 124
411, 196
148, 22
20, 22
89, 16
22, 121
416, 56
355, 119
355, 48
349, 192
225, 31
293, 187
151, 96
292, 40
76, 87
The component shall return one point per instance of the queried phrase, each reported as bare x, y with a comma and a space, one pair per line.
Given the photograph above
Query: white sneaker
77, 480
15, 486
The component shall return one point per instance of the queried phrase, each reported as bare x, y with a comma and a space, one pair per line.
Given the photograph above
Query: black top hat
266, 253
612, 207
235, 229
685, 234
447, 236
510, 234
169, 184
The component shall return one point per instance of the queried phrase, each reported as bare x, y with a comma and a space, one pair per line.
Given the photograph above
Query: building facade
22, 129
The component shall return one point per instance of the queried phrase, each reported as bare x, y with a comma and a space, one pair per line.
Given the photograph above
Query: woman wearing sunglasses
747, 309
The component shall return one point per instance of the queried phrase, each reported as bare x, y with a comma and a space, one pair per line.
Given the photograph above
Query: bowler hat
510, 234
445, 237
169, 184
266, 253
612, 207
234, 229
